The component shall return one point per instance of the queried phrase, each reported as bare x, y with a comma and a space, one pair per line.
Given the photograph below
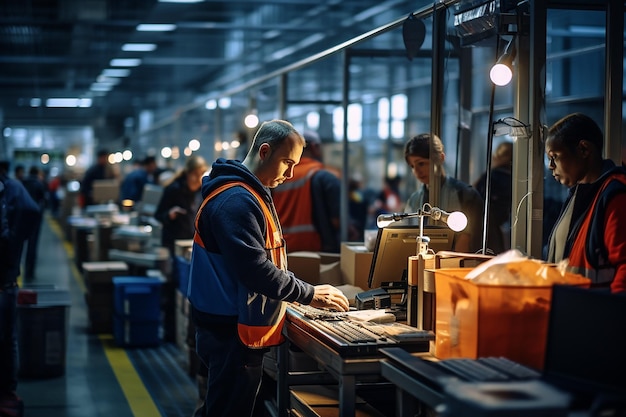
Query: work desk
345, 371
347, 365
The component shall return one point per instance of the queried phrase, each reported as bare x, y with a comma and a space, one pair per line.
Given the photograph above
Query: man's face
420, 168
277, 164
566, 164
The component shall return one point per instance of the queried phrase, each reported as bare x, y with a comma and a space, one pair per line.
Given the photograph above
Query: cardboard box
331, 274
479, 320
102, 272
355, 263
305, 265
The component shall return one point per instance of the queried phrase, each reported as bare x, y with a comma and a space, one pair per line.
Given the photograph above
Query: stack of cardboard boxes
98, 279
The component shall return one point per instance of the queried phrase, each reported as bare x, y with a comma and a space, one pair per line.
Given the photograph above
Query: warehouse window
391, 116
355, 122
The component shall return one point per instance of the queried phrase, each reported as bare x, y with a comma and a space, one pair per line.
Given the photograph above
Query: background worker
500, 198
101, 170
180, 201
18, 213
176, 212
454, 195
133, 183
591, 231
239, 275
308, 204
38, 190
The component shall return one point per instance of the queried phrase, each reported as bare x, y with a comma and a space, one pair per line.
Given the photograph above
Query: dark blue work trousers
235, 372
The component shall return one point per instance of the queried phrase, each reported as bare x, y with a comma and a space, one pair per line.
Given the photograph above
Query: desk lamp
456, 221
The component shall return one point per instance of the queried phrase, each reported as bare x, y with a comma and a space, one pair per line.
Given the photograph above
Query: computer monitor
394, 245
106, 191
150, 199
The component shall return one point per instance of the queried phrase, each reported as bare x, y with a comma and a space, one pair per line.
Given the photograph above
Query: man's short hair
274, 132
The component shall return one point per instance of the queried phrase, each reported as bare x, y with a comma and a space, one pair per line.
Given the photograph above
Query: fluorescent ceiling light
158, 27
101, 87
35, 102
139, 47
68, 102
125, 62
107, 80
180, 1
115, 72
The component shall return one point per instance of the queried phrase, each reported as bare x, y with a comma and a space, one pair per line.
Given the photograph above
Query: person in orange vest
308, 204
239, 277
591, 230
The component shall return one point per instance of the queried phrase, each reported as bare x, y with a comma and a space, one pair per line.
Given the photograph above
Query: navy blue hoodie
232, 228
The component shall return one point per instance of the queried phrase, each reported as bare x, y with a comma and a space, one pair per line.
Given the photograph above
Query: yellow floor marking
136, 393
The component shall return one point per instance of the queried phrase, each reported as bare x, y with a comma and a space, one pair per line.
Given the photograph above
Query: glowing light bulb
501, 74
457, 221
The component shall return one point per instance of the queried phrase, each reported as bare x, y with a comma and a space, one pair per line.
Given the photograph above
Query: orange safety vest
294, 204
579, 263
260, 319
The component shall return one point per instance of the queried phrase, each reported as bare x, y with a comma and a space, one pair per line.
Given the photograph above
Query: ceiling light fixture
116, 72
156, 27
68, 102
125, 62
139, 47
107, 80
101, 87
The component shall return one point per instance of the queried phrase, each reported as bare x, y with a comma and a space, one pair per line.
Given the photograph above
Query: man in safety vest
591, 230
308, 204
239, 278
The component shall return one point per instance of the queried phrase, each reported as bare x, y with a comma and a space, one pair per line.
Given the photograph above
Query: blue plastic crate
137, 298
136, 333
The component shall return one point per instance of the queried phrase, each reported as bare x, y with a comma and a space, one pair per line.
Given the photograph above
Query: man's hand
327, 296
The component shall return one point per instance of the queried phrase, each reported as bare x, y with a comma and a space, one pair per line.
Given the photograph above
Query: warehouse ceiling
62, 49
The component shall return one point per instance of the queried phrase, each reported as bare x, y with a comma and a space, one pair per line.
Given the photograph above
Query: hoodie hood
228, 170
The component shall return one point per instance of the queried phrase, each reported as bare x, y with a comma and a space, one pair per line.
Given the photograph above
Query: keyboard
352, 337
489, 369
314, 313
352, 332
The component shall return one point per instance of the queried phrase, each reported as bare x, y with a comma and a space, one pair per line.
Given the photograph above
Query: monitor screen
106, 191
394, 245
150, 199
